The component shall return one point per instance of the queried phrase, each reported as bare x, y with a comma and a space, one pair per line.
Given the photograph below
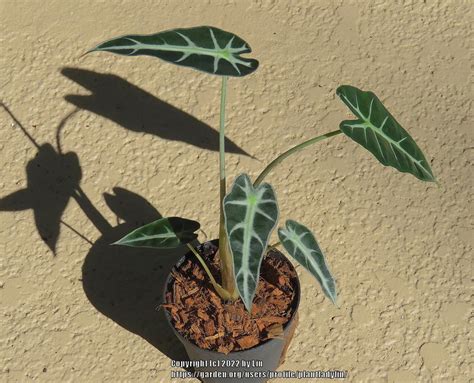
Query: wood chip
193, 291
215, 336
248, 341
216, 301
273, 319
184, 316
277, 292
275, 331
209, 328
225, 349
195, 329
202, 314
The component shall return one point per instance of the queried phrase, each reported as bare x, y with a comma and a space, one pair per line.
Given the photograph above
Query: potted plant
233, 301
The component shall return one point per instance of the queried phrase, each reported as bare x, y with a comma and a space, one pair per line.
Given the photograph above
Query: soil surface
201, 316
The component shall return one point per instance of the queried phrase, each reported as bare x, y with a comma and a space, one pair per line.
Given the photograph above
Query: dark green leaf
301, 245
378, 131
164, 233
250, 215
204, 48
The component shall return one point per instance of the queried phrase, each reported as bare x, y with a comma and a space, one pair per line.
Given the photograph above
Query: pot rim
295, 304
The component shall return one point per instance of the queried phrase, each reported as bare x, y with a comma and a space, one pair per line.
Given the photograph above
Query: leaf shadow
137, 110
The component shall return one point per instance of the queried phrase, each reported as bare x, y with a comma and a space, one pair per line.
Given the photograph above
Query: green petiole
289, 152
223, 293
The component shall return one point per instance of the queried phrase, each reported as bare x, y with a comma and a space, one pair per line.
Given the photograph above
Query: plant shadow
53, 178
137, 110
124, 284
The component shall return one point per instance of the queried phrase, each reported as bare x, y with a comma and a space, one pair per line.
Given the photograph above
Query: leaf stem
220, 290
289, 152
225, 257
222, 137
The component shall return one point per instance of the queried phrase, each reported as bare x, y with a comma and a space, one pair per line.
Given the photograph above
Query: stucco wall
401, 250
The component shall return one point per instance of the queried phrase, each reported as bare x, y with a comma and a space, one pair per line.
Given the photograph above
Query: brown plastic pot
246, 366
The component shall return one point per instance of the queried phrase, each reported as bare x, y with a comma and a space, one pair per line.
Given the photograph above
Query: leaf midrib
176, 48
148, 237
249, 219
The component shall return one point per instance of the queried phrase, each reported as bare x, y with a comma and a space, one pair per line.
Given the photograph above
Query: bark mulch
202, 317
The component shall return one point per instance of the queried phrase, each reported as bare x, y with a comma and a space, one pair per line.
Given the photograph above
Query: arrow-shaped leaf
250, 216
164, 233
204, 48
301, 245
378, 131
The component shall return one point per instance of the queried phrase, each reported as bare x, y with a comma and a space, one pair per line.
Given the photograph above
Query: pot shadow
137, 110
126, 284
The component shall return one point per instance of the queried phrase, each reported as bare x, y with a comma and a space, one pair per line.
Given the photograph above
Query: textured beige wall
400, 249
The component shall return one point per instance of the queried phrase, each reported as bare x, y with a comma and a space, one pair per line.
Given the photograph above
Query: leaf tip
87, 52
433, 178
248, 306
339, 90
427, 177
342, 88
